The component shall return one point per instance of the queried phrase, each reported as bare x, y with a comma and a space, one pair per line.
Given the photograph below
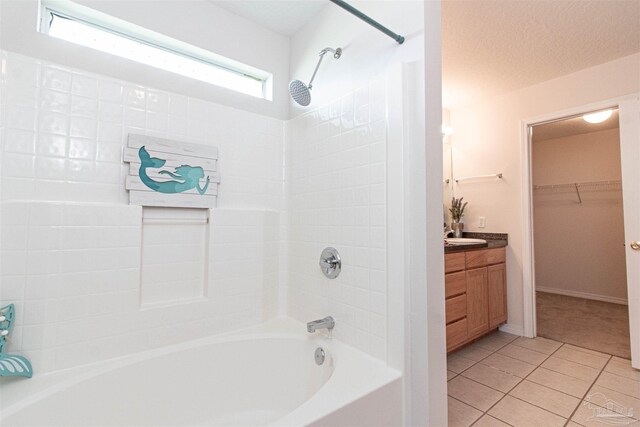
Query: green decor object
457, 209
186, 177
11, 365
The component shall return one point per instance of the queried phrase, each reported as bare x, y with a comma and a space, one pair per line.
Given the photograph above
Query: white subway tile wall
336, 196
73, 271
65, 129
71, 245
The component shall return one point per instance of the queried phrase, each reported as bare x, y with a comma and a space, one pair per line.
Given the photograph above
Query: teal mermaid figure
11, 365
187, 177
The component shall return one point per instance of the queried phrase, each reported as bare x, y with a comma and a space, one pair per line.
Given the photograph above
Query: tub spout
326, 323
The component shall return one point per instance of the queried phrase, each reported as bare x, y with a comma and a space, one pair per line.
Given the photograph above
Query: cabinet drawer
485, 257
456, 308
455, 284
456, 333
454, 262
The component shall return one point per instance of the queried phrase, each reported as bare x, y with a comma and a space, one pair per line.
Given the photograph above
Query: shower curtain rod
346, 6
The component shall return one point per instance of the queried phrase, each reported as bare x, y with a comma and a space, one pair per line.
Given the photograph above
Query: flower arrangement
457, 209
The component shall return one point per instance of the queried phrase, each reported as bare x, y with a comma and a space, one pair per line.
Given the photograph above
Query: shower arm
336, 54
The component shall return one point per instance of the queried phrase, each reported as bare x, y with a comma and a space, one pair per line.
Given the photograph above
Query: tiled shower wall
336, 196
71, 244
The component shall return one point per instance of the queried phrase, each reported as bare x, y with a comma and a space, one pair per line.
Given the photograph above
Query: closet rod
613, 182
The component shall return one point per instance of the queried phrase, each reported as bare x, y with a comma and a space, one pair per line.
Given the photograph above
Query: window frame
64, 9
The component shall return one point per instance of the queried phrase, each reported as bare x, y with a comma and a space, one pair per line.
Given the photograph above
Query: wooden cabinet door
477, 301
497, 277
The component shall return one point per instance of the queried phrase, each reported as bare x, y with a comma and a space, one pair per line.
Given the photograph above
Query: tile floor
506, 380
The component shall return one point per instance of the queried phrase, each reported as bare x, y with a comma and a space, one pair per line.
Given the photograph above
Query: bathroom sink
463, 241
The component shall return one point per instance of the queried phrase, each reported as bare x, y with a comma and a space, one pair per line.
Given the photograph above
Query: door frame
528, 261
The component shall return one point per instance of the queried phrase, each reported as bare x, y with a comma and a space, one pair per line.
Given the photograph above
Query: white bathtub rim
337, 392
57, 381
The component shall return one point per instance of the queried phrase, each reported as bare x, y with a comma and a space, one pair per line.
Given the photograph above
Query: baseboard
584, 295
510, 328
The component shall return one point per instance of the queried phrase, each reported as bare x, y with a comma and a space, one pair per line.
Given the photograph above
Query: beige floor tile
489, 421
518, 413
602, 396
509, 365
505, 336
573, 369
460, 414
569, 352
450, 374
586, 350
457, 363
473, 352
619, 384
557, 381
590, 415
472, 393
572, 424
524, 354
492, 342
492, 377
541, 345
546, 398
622, 367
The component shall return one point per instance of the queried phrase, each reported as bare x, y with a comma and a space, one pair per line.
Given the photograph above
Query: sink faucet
326, 323
447, 231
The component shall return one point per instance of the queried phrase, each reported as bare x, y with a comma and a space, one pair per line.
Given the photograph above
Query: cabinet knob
635, 245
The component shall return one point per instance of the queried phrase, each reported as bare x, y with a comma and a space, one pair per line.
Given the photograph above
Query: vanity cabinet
475, 292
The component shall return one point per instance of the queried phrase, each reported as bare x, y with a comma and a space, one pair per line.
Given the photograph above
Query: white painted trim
528, 270
585, 295
429, 387
630, 164
512, 329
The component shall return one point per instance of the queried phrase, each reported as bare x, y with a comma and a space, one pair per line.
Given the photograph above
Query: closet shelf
466, 178
581, 186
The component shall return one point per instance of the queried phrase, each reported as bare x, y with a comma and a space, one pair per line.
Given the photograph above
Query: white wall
71, 243
487, 139
197, 22
579, 248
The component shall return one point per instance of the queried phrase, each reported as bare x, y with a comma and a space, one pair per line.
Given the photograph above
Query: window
87, 27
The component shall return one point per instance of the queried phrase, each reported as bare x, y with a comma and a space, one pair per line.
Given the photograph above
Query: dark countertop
494, 240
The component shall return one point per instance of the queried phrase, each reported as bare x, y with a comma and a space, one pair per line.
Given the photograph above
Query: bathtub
266, 375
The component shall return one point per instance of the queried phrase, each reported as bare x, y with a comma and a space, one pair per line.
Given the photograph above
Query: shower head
300, 92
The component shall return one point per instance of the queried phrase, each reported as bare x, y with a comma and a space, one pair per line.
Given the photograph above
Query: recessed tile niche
174, 255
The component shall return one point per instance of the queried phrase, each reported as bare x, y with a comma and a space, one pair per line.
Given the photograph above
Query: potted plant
457, 210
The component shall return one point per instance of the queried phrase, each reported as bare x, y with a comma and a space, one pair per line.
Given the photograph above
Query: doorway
629, 130
578, 232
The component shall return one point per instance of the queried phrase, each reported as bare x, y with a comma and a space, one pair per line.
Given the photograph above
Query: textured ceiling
493, 47
283, 17
572, 126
